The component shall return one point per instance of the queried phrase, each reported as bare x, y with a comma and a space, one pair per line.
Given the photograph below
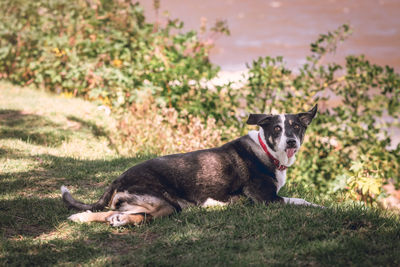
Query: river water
287, 27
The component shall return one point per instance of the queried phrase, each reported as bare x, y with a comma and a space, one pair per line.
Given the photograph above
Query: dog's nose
291, 143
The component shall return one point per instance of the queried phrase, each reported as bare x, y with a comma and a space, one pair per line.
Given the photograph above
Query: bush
103, 50
148, 129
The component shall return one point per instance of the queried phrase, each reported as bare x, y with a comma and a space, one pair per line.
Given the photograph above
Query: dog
253, 165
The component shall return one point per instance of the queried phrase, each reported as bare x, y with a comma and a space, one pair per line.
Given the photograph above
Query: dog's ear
307, 117
258, 119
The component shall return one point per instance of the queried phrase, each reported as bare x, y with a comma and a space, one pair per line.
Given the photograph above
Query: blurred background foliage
155, 79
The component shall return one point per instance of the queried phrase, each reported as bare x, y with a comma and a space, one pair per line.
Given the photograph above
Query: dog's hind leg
134, 209
128, 217
120, 219
114, 218
88, 216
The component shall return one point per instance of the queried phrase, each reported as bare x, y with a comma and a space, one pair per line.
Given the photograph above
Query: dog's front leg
299, 201
261, 192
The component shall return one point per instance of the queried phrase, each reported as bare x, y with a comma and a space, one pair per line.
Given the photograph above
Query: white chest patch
212, 203
281, 179
280, 175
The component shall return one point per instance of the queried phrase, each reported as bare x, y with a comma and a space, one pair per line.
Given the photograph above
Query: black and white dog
253, 165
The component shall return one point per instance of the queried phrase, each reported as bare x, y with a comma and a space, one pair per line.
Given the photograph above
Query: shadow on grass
92, 245
31, 210
29, 216
33, 182
39, 130
31, 128
84, 244
24, 253
95, 129
27, 195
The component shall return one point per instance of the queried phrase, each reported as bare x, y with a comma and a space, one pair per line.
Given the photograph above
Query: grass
47, 141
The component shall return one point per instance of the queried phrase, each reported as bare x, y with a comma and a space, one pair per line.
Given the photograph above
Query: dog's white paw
299, 201
118, 219
80, 217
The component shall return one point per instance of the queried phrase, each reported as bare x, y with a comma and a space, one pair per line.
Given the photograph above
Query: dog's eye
277, 128
296, 126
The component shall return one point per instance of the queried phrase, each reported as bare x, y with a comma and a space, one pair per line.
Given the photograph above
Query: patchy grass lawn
47, 141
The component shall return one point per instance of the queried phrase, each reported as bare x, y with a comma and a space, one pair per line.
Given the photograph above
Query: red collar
276, 162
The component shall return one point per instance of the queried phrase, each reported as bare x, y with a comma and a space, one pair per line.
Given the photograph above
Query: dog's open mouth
290, 152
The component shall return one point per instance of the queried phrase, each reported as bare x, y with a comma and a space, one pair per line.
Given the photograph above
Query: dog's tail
99, 205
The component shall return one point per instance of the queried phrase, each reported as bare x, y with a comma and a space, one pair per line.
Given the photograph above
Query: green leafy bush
103, 50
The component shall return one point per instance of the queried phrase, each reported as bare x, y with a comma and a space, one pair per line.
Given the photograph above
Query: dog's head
283, 134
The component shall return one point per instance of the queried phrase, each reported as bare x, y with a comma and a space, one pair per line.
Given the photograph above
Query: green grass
47, 141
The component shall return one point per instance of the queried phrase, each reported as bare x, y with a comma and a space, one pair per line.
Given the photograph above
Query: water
286, 28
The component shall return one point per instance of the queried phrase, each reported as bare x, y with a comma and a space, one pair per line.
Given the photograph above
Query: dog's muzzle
291, 147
